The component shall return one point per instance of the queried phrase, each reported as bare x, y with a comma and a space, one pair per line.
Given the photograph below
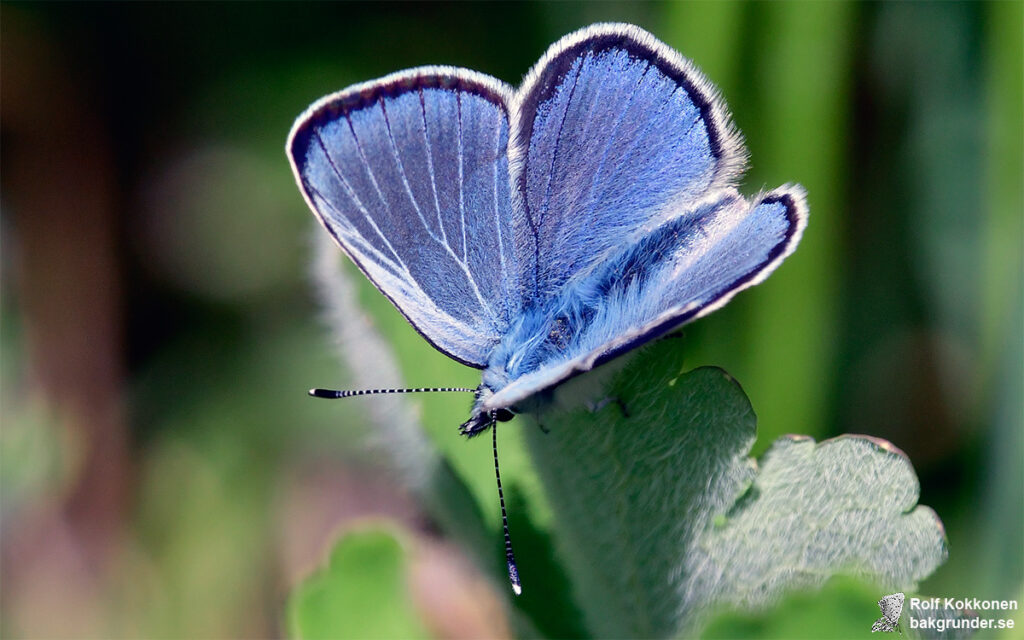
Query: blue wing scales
410, 175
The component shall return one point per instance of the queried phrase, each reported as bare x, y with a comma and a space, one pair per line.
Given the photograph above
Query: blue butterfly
537, 233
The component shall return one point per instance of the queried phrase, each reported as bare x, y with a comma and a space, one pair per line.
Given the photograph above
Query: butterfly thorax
537, 338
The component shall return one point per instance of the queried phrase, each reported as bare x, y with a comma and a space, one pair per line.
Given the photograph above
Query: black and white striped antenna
332, 394
510, 559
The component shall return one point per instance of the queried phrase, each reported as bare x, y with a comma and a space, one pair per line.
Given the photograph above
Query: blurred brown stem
59, 182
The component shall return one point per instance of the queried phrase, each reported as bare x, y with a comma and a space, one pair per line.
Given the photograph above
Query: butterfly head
481, 419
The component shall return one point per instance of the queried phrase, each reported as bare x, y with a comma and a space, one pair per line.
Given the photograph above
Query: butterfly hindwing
687, 267
409, 173
612, 132
693, 264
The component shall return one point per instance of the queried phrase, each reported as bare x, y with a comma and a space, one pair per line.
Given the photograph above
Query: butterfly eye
503, 415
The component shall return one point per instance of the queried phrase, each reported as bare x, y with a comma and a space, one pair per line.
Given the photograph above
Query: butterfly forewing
410, 176
613, 133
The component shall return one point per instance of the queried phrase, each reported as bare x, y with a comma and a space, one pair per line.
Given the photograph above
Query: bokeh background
163, 473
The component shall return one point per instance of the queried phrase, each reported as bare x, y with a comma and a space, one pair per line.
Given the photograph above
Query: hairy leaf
662, 516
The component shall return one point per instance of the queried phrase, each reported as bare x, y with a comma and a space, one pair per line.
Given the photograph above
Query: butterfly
891, 606
536, 233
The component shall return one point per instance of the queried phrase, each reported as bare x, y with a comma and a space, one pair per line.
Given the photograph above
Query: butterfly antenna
510, 559
332, 394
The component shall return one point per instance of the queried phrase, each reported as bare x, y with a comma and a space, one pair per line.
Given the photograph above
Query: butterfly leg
477, 424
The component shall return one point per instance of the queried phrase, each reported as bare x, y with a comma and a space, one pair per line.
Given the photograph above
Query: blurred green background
163, 473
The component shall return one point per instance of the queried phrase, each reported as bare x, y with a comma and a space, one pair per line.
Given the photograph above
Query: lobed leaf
663, 517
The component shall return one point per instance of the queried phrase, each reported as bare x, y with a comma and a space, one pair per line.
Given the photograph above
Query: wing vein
558, 144
611, 136
401, 171
354, 237
497, 219
355, 198
463, 263
462, 204
430, 166
650, 124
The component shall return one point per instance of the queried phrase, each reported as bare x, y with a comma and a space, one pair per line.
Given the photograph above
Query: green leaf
662, 516
361, 593
843, 608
